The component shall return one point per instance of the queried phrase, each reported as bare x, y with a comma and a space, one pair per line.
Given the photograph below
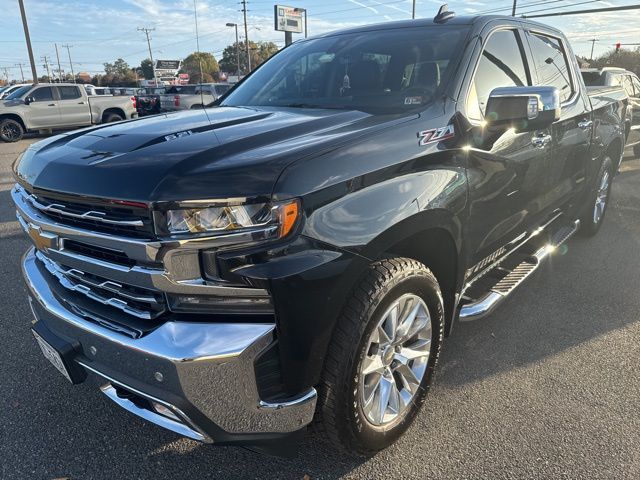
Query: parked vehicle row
52, 106
303, 250
186, 97
629, 81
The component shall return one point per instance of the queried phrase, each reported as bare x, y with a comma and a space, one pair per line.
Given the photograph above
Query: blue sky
101, 31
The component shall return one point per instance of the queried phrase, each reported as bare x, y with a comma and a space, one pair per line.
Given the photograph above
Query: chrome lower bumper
203, 373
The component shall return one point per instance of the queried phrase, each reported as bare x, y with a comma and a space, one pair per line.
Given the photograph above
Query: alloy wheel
602, 196
395, 360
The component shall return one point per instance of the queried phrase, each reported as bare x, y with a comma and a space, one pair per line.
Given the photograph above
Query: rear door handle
585, 124
541, 141
51, 105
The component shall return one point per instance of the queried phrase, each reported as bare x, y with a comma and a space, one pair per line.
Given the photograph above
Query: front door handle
81, 103
51, 105
584, 125
541, 141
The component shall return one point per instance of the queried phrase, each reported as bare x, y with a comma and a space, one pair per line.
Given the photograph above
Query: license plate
52, 355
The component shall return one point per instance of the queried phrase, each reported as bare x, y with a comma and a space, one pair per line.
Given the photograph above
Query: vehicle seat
364, 77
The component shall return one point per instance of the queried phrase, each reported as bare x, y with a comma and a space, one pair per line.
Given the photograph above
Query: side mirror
523, 108
29, 100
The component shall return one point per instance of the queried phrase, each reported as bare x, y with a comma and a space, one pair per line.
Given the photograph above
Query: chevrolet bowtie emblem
42, 240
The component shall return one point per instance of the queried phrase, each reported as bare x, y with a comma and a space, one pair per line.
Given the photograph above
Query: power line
580, 12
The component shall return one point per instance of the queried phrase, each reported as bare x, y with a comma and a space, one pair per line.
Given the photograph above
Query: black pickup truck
301, 250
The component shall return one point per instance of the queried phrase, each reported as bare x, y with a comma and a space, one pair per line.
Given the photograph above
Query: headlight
276, 220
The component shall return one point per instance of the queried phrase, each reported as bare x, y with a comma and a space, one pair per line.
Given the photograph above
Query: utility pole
67, 46
45, 59
413, 10
59, 67
28, 39
513, 10
21, 72
237, 49
593, 44
146, 32
246, 35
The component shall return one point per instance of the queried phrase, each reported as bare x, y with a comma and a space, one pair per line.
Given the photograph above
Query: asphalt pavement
547, 387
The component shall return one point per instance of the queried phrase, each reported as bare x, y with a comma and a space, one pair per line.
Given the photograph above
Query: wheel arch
115, 110
433, 238
16, 117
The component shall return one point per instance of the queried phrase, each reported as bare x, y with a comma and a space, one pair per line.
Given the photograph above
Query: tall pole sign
289, 20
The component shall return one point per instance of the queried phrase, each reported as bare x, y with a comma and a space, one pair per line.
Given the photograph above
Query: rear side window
222, 89
592, 79
501, 65
42, 94
627, 85
551, 64
69, 93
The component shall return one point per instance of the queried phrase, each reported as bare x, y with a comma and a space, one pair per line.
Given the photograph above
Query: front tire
598, 202
370, 394
11, 130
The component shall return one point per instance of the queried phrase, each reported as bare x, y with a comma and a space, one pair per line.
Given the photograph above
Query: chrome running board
483, 306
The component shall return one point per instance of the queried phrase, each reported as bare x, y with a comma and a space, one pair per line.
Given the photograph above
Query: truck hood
213, 153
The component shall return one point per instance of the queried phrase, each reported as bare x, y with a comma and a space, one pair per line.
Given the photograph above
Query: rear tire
636, 151
598, 201
365, 362
112, 117
11, 130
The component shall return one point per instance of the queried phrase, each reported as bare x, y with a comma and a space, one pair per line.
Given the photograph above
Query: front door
505, 169
74, 107
43, 111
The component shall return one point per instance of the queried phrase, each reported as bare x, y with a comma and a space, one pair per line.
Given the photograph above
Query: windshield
19, 92
384, 70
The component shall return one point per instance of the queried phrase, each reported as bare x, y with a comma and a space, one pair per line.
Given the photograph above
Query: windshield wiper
313, 105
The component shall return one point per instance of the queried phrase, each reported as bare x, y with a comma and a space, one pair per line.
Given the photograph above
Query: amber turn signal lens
289, 213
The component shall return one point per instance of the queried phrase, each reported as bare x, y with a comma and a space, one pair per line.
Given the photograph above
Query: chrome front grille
109, 216
142, 304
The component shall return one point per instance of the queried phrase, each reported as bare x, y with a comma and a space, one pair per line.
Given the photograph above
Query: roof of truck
429, 22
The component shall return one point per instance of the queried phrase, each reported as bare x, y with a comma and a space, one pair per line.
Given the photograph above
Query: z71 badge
436, 135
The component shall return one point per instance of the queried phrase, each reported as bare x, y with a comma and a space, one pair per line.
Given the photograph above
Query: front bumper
202, 372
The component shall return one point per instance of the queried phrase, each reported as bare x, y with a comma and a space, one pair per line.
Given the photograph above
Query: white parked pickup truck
186, 97
49, 106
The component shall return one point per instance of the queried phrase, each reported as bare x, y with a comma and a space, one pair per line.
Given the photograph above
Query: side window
636, 86
42, 94
69, 93
551, 64
501, 65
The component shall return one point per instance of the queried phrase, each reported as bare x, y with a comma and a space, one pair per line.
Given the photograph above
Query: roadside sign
288, 19
168, 65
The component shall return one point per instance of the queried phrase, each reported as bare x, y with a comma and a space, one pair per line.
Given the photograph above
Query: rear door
506, 170
43, 112
74, 109
554, 65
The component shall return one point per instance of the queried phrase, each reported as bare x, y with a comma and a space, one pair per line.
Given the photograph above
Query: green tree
118, 68
624, 58
200, 61
146, 68
259, 52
